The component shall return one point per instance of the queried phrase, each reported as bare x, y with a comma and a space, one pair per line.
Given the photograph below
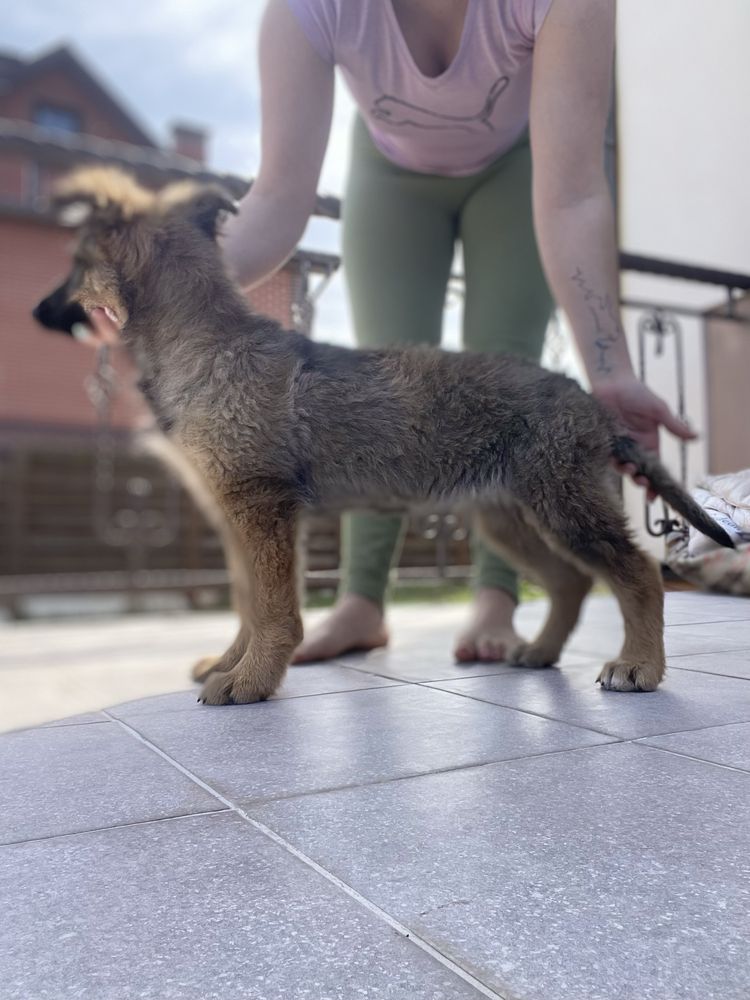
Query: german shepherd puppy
270, 424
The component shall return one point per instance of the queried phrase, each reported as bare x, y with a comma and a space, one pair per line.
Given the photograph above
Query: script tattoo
605, 317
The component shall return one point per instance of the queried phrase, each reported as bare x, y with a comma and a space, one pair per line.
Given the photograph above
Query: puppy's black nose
37, 312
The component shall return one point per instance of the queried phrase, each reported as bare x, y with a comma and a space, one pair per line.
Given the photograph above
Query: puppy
270, 424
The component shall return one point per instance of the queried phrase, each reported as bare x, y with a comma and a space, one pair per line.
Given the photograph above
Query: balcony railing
661, 321
139, 518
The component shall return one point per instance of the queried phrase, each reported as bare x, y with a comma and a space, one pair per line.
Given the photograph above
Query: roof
14, 71
62, 150
153, 166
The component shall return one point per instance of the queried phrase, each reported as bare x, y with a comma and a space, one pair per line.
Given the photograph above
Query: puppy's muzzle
57, 313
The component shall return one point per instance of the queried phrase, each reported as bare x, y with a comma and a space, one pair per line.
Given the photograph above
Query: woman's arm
573, 210
296, 107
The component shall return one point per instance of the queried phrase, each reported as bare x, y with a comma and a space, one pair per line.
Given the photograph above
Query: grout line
115, 826
709, 652
268, 701
324, 694
689, 756
269, 799
434, 680
373, 908
711, 621
350, 891
693, 729
706, 673
525, 711
616, 737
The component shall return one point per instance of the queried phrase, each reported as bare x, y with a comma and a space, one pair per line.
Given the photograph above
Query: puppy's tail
625, 449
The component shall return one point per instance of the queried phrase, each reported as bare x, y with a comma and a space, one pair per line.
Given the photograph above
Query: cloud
193, 60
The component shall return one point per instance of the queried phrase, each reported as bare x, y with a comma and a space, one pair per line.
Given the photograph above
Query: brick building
55, 115
54, 518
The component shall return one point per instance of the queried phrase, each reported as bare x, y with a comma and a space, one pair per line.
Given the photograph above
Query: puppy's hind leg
510, 530
592, 526
271, 612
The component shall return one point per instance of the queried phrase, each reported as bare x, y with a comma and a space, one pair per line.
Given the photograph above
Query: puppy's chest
232, 445
165, 416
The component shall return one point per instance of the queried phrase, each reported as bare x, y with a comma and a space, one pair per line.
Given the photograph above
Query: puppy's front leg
267, 533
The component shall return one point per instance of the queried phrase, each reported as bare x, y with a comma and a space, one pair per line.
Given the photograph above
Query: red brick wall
42, 374
62, 90
275, 297
13, 177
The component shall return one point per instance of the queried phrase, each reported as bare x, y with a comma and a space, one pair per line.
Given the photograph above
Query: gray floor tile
65, 779
695, 623
730, 663
729, 745
710, 637
685, 608
684, 700
615, 873
311, 678
417, 657
602, 641
419, 661
301, 745
605, 639
299, 682
204, 908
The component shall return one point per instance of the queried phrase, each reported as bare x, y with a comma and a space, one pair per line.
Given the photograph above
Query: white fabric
727, 499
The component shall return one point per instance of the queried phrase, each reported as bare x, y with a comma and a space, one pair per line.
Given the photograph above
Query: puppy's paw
224, 689
531, 654
220, 664
237, 687
205, 666
624, 675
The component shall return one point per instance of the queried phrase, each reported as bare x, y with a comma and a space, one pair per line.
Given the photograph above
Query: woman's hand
640, 413
104, 328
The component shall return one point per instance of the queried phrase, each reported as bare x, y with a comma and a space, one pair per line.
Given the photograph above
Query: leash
660, 323
130, 527
101, 388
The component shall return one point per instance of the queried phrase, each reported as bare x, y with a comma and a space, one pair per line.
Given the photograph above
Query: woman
456, 99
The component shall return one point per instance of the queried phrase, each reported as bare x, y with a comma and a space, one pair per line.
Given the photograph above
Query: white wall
683, 69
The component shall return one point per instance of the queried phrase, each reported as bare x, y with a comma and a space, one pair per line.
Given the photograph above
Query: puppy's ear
112, 195
209, 209
203, 205
73, 210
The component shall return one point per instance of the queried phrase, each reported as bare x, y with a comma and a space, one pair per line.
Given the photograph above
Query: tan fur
102, 186
511, 532
266, 425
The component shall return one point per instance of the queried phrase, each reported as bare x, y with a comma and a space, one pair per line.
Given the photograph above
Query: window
63, 119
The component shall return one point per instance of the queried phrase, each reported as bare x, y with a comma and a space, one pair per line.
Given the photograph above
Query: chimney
189, 141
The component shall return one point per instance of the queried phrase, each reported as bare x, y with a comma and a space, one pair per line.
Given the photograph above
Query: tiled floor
391, 826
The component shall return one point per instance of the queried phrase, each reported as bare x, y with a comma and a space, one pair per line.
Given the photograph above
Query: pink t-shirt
456, 123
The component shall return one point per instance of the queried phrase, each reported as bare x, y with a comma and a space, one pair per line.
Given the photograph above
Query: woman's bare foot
355, 623
490, 636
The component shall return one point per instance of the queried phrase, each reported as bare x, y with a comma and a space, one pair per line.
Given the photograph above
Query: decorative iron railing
660, 321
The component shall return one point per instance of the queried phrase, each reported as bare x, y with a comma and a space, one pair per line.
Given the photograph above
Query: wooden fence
64, 531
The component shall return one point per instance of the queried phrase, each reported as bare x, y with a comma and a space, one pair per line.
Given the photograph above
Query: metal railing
660, 322
143, 515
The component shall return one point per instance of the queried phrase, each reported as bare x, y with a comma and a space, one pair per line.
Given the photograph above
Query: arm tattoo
605, 318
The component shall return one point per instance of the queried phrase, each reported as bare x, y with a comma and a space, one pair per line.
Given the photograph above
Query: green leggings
399, 234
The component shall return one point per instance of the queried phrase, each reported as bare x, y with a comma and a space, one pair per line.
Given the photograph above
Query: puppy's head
124, 233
